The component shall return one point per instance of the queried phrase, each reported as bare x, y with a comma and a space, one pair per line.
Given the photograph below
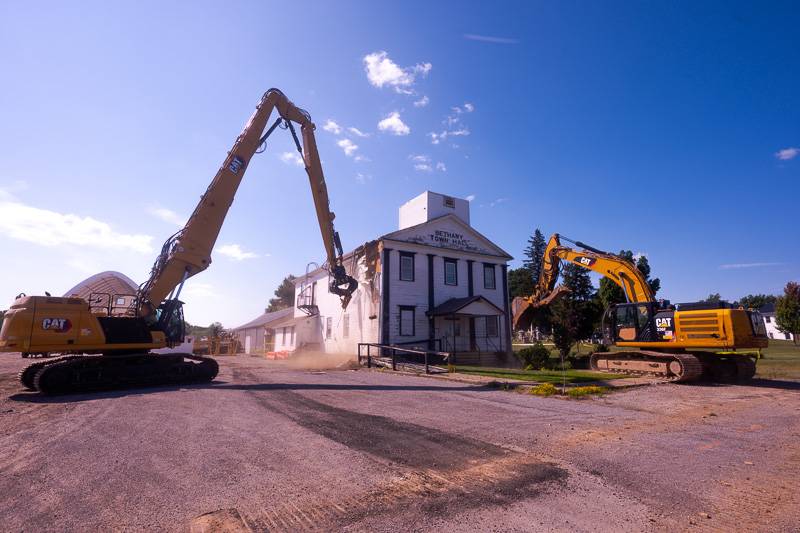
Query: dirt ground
269, 447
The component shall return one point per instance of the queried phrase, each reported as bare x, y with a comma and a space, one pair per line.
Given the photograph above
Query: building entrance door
247, 344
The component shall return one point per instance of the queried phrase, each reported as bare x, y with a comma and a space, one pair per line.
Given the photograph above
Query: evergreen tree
574, 315
714, 297
534, 254
284, 295
787, 310
520, 282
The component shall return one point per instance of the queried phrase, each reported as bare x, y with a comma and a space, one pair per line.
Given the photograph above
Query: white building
768, 314
269, 332
436, 282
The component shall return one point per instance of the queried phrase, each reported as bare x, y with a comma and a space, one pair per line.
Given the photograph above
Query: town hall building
435, 283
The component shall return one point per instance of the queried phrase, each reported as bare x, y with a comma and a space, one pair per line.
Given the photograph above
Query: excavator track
27, 374
104, 372
677, 367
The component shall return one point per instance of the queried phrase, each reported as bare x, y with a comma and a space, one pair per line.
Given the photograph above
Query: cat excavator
104, 350
681, 342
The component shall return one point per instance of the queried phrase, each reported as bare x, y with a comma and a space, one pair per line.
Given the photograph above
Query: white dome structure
109, 291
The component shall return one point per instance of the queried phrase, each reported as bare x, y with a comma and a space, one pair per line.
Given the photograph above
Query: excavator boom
616, 268
188, 252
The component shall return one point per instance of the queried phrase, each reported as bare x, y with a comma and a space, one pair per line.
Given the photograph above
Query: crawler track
677, 367
83, 373
670, 366
28, 374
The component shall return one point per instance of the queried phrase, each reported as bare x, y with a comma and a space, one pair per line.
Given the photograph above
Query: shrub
534, 357
545, 389
579, 392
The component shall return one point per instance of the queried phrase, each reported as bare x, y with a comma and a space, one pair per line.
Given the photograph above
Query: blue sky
669, 129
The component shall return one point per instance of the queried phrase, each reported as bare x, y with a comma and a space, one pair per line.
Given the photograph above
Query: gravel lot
267, 447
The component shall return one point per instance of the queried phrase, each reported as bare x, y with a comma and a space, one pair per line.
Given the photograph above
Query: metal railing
394, 350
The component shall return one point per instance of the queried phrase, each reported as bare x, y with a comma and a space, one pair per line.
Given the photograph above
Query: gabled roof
267, 318
396, 235
468, 306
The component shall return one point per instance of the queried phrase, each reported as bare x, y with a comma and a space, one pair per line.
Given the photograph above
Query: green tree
787, 310
215, 329
610, 293
757, 301
520, 282
284, 295
534, 254
714, 297
573, 316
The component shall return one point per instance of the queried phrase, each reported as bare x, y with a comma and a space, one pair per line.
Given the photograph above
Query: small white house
436, 282
267, 333
768, 314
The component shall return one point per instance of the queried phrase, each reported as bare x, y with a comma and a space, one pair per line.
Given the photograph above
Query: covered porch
468, 328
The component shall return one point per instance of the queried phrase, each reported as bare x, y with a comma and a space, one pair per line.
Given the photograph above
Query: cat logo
58, 325
664, 323
236, 164
585, 261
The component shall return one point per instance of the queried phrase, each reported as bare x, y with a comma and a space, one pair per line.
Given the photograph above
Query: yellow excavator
680, 342
101, 350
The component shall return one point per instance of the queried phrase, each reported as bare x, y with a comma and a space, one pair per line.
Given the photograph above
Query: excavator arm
616, 268
188, 252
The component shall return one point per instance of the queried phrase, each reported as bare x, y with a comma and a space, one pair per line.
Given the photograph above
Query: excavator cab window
633, 322
170, 320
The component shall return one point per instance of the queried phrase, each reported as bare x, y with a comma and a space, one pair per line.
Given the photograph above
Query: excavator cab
170, 320
638, 322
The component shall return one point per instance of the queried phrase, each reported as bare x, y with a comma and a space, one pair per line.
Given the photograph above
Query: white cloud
437, 138
357, 132
195, 289
423, 167
639, 255
50, 228
441, 167
470, 197
348, 146
422, 163
733, 266
469, 108
787, 153
497, 202
381, 70
420, 158
422, 102
332, 127
490, 39
362, 178
234, 251
394, 124
292, 157
167, 215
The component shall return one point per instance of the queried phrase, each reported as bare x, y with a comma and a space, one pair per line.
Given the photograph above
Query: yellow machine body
45, 324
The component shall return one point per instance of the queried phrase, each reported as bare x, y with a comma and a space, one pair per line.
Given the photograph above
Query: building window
283, 336
406, 266
407, 313
492, 326
328, 327
345, 326
119, 301
488, 277
450, 202
450, 272
291, 336
767, 319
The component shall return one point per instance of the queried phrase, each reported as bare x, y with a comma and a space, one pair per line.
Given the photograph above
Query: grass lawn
542, 376
780, 361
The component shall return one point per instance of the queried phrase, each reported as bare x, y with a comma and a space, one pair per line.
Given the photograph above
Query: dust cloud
323, 361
